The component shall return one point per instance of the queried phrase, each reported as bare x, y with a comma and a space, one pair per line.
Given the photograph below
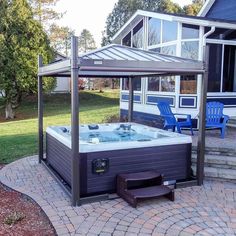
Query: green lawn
18, 138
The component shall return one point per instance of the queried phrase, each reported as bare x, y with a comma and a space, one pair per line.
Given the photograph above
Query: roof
206, 7
195, 20
221, 10
121, 61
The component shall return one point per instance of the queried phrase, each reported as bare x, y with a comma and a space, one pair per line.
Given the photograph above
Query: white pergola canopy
121, 61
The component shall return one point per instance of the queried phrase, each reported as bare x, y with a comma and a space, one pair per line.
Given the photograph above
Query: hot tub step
134, 186
145, 175
149, 192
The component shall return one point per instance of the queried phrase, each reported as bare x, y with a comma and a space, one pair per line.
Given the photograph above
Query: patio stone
204, 210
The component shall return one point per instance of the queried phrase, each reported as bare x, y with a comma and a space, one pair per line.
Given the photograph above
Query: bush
13, 218
111, 119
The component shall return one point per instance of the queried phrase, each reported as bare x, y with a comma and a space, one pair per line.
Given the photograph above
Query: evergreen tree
86, 44
86, 41
194, 8
44, 12
124, 9
60, 38
21, 40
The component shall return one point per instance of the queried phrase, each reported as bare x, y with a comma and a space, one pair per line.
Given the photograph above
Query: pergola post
202, 120
131, 100
40, 112
75, 162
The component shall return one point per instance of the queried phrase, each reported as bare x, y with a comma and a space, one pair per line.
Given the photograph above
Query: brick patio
206, 210
214, 142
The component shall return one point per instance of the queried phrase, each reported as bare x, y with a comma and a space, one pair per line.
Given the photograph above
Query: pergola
116, 61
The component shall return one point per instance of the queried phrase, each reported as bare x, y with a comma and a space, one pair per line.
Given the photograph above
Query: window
154, 84
229, 75
190, 31
169, 32
168, 84
190, 50
169, 50
188, 84
215, 55
126, 41
138, 35
154, 31
161, 84
136, 84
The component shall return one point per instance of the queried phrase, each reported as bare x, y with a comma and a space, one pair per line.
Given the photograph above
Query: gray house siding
223, 9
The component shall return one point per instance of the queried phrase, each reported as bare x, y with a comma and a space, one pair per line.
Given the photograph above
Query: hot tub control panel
100, 166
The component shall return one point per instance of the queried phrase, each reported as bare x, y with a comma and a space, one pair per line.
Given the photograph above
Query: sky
90, 15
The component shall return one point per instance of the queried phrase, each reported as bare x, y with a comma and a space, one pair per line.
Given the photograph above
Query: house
62, 84
183, 36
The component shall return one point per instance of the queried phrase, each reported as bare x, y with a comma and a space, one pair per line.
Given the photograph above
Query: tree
21, 40
86, 41
194, 8
60, 38
43, 11
86, 44
124, 9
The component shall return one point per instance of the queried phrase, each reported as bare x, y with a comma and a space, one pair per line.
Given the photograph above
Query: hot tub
110, 149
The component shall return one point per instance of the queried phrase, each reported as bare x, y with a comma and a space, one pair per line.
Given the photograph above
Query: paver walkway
205, 210
213, 140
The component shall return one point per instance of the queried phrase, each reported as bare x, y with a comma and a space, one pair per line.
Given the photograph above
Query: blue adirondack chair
170, 121
215, 118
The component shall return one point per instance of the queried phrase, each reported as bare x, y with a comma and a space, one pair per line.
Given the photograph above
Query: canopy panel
121, 61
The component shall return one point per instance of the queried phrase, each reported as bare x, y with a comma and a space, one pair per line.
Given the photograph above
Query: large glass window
161, 84
127, 40
138, 35
190, 50
136, 84
188, 84
169, 32
229, 75
154, 84
168, 84
169, 50
190, 31
154, 31
215, 55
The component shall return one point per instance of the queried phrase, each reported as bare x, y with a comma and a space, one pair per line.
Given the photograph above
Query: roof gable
222, 9
195, 20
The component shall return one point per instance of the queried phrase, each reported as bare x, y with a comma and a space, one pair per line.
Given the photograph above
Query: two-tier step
142, 185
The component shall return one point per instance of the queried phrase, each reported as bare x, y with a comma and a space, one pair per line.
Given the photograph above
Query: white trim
224, 94
178, 43
222, 68
190, 40
220, 41
160, 96
170, 43
194, 97
206, 7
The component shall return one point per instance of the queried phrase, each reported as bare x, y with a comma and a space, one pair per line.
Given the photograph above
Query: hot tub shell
171, 158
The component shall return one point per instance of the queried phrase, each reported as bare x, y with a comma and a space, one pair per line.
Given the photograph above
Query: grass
18, 138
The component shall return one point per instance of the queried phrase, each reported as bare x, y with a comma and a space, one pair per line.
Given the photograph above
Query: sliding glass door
229, 72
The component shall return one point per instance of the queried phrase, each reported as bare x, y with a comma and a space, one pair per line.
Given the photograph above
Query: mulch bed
20, 216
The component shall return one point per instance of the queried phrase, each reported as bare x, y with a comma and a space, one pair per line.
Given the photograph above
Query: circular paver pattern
206, 210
